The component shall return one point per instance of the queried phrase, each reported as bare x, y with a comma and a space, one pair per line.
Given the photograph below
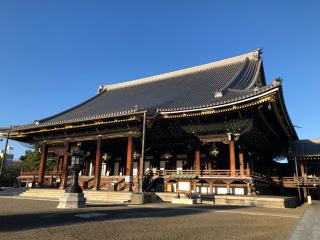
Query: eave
20, 134
235, 105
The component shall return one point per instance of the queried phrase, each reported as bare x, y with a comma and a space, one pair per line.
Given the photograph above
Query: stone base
140, 198
72, 200
187, 201
239, 200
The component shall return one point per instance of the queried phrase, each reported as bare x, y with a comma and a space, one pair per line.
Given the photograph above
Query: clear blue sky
54, 54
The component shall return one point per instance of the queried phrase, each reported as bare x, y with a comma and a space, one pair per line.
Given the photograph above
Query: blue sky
54, 54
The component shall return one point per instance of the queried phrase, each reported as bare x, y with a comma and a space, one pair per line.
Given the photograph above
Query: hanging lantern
167, 155
136, 155
214, 151
106, 156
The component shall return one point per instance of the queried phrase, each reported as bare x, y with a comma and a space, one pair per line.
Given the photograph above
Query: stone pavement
35, 219
309, 226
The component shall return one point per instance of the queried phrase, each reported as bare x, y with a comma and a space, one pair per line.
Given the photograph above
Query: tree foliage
30, 160
10, 174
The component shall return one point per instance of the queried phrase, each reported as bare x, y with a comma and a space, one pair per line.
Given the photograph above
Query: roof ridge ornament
100, 89
257, 53
277, 81
218, 94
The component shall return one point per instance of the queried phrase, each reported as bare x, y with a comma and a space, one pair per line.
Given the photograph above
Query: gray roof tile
190, 88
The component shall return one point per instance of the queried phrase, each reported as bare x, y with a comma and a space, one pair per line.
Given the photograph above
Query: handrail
47, 173
212, 173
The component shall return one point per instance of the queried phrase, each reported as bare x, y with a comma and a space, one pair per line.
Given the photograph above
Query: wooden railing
207, 173
281, 181
35, 173
294, 181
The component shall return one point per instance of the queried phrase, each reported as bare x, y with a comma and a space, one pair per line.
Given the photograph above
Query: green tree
30, 160
10, 174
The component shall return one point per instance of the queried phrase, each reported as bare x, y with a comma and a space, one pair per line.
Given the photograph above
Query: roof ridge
250, 55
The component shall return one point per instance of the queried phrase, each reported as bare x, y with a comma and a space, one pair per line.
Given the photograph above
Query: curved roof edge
250, 55
286, 115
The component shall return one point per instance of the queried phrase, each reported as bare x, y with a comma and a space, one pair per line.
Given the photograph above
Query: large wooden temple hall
216, 128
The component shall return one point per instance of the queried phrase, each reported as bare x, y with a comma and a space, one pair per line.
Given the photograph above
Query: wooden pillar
304, 182
210, 187
64, 179
97, 168
42, 164
129, 157
232, 158
209, 165
241, 163
228, 188
129, 162
248, 170
197, 160
249, 190
303, 172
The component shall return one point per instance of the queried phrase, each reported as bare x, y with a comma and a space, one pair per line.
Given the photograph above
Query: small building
213, 128
304, 157
9, 156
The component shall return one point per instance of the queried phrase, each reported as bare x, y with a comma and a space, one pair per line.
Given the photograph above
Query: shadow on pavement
20, 222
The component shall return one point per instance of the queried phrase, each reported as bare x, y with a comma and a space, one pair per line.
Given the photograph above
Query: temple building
304, 157
214, 128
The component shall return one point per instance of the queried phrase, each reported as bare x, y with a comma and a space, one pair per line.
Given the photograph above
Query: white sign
184, 186
222, 190
239, 191
128, 179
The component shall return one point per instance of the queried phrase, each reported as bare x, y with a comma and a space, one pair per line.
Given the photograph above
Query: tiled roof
305, 148
198, 87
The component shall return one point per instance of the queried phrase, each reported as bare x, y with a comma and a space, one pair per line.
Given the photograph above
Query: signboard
128, 179
184, 186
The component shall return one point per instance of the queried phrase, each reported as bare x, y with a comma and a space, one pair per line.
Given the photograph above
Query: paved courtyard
309, 225
34, 219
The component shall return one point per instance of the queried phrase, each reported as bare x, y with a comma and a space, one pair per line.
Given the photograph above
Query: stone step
100, 196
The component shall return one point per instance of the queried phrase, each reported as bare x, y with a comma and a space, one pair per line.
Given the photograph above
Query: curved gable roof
192, 88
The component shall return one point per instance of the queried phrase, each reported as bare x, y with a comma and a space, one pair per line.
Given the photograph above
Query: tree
10, 174
30, 160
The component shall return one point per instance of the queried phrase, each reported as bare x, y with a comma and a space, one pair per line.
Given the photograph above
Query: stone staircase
92, 196
43, 193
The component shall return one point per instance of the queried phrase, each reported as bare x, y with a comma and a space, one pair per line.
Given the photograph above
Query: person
56, 182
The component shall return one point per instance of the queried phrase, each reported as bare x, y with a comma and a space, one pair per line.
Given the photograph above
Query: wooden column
303, 172
197, 160
209, 165
42, 164
248, 170
129, 162
241, 163
129, 157
232, 158
97, 168
249, 190
64, 179
304, 182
